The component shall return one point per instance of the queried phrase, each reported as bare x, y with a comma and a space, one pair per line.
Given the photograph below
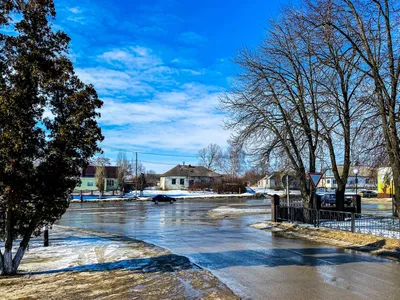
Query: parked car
368, 194
321, 191
330, 200
163, 198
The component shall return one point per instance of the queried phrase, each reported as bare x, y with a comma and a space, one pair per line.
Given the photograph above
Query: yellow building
385, 183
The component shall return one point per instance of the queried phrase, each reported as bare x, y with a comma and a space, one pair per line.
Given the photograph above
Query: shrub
232, 186
198, 186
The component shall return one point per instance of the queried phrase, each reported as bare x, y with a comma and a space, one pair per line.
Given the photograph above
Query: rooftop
188, 170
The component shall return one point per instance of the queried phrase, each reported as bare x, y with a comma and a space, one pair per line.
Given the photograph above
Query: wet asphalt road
253, 263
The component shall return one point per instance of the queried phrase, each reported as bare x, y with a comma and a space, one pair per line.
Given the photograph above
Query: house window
110, 182
182, 181
173, 181
334, 181
328, 181
90, 183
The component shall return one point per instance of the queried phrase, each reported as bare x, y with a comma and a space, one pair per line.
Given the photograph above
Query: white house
366, 178
278, 180
184, 176
268, 181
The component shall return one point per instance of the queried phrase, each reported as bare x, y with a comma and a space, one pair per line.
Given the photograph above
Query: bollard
274, 207
46, 236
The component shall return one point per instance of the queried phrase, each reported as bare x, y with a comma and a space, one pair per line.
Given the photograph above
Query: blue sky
159, 67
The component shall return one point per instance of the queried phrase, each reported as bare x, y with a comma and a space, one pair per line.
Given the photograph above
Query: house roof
363, 171
188, 170
278, 174
90, 171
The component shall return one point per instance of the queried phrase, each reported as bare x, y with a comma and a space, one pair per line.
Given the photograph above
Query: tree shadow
377, 246
281, 257
164, 263
226, 259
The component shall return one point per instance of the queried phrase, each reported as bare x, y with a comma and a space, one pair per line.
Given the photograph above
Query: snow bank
223, 211
88, 250
271, 192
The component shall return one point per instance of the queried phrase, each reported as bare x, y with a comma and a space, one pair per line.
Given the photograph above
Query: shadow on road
164, 263
281, 257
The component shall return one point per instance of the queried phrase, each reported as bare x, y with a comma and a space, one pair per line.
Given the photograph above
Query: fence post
46, 236
357, 203
274, 208
292, 218
353, 222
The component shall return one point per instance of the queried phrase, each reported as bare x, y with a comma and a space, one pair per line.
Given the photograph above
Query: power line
151, 162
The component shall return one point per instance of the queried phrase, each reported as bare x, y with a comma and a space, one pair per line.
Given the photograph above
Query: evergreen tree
48, 128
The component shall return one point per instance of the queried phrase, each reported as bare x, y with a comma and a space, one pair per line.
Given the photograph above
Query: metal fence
386, 226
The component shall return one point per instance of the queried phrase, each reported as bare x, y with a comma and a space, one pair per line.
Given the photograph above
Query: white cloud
173, 113
185, 120
75, 10
108, 81
136, 57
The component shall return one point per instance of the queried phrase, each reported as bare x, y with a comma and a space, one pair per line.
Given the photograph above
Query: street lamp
355, 171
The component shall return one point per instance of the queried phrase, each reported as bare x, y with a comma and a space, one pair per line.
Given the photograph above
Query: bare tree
210, 157
132, 169
100, 163
252, 176
268, 107
371, 27
233, 160
141, 183
342, 97
122, 171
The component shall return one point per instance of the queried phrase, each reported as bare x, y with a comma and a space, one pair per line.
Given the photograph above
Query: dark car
330, 200
368, 194
163, 198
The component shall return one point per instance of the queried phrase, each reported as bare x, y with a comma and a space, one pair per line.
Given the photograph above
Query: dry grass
363, 242
116, 284
81, 264
377, 200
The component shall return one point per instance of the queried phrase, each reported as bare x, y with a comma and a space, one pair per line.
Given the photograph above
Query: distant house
88, 180
269, 181
184, 176
277, 180
366, 178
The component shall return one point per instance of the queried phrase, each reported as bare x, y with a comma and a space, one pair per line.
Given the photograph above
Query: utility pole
136, 176
287, 193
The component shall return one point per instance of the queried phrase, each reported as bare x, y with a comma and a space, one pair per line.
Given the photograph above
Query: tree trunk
7, 258
1, 264
340, 192
304, 190
8, 265
21, 250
